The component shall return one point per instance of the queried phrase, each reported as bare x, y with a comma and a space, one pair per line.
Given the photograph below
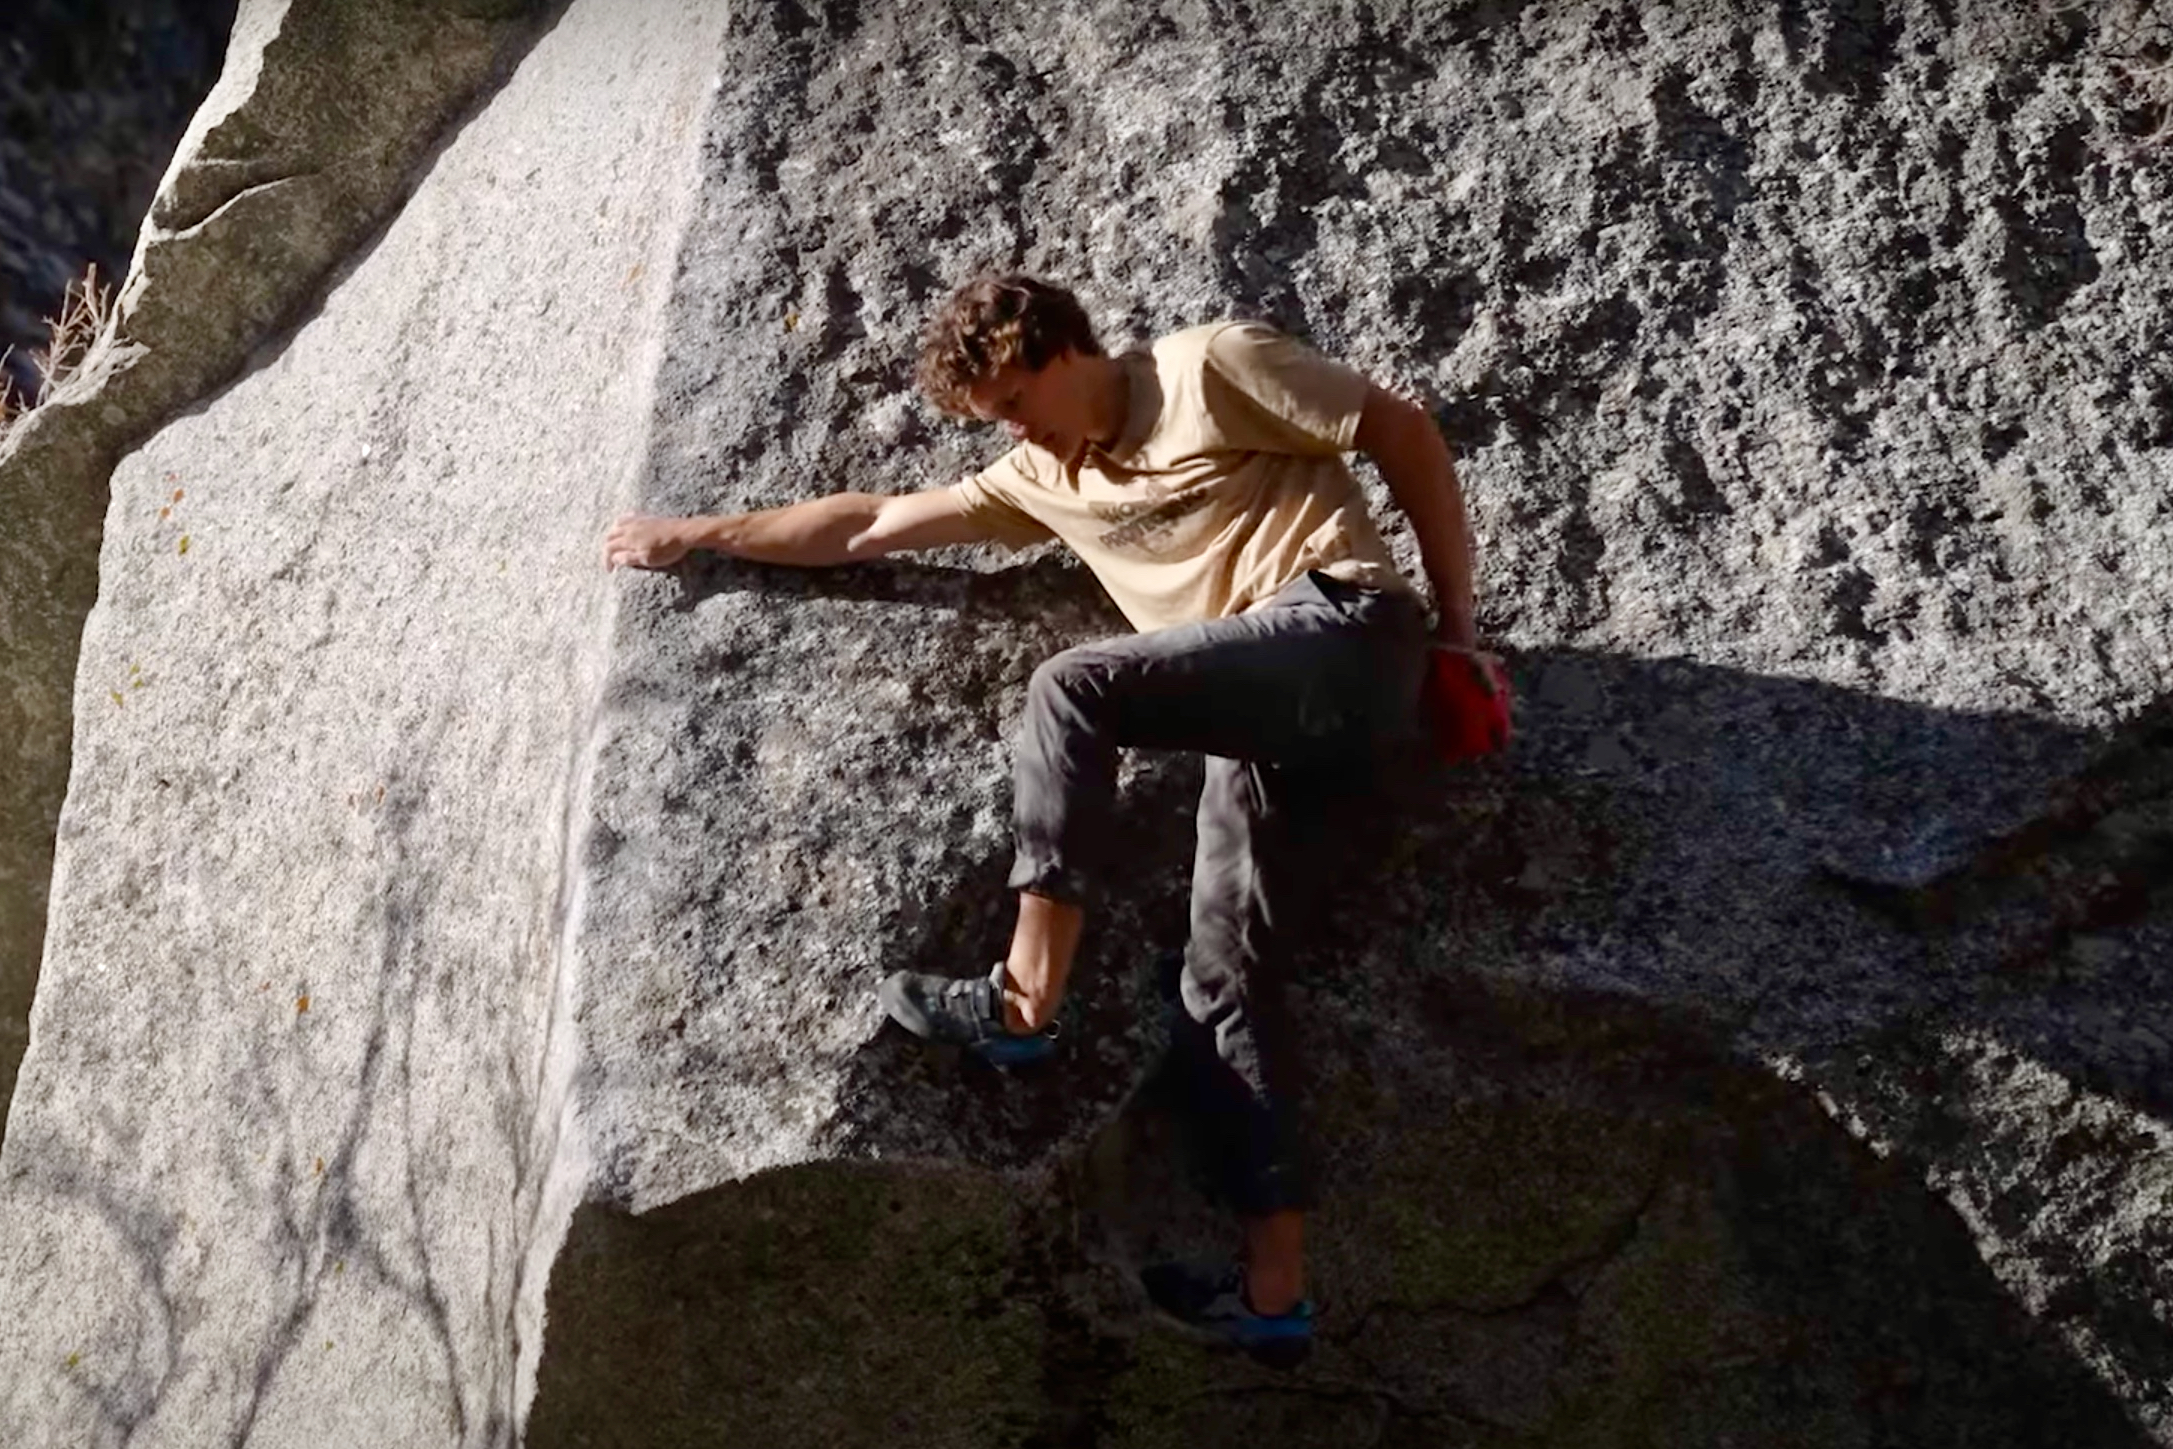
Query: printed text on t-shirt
1139, 525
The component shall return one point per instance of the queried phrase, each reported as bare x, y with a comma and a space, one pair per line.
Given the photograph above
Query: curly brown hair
995, 319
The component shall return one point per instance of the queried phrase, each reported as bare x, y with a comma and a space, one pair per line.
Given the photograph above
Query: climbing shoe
963, 1011
1212, 1300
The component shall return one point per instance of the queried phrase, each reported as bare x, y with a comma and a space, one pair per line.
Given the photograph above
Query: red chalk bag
1466, 702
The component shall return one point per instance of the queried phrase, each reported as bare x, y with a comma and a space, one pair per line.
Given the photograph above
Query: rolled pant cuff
1051, 879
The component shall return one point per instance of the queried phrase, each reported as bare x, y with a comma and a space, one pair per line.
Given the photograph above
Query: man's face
1049, 408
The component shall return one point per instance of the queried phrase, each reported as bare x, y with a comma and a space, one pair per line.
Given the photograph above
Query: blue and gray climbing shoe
1212, 1301
963, 1011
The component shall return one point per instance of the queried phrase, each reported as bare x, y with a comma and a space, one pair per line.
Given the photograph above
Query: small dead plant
86, 309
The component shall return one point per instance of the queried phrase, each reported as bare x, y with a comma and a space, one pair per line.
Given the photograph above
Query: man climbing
1202, 482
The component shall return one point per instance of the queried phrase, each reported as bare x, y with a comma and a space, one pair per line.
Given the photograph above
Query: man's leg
1039, 964
1275, 1261
1293, 682
1258, 828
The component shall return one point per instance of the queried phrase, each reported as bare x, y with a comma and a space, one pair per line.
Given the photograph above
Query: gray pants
1292, 703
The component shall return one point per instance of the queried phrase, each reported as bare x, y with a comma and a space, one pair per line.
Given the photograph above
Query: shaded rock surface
1773, 1049
1557, 1220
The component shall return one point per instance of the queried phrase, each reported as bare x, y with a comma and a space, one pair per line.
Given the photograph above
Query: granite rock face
1802, 364
1773, 1049
330, 723
313, 130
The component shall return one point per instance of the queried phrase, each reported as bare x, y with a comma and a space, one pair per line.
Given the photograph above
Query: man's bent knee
1065, 684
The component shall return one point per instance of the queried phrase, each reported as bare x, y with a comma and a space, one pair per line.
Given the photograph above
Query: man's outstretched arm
842, 528
1401, 439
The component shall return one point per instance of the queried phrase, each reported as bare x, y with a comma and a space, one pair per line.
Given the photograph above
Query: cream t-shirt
1226, 482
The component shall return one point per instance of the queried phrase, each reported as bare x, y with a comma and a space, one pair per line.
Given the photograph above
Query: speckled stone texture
287, 1160
309, 138
1773, 1050
1804, 365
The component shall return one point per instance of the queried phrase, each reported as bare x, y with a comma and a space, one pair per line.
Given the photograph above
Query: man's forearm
817, 531
1444, 545
1414, 461
842, 528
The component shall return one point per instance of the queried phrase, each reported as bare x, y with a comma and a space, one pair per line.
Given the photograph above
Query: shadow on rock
1803, 863
1568, 1018
1550, 1219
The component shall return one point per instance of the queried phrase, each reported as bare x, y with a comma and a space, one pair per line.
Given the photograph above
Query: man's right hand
839, 528
640, 541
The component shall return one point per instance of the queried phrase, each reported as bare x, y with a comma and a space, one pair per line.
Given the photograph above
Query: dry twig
85, 311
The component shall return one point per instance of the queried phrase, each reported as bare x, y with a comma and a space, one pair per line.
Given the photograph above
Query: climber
1201, 480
